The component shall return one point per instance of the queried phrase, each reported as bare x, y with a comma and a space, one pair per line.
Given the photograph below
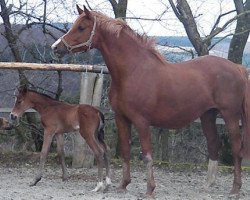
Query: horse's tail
100, 134
245, 152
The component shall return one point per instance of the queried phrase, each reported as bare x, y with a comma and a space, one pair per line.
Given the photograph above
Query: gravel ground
171, 185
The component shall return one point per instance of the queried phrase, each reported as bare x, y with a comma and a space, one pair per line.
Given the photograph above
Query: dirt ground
16, 172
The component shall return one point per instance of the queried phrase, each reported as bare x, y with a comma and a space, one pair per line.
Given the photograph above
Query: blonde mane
115, 26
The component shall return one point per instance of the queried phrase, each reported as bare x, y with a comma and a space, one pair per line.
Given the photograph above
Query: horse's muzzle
13, 117
59, 49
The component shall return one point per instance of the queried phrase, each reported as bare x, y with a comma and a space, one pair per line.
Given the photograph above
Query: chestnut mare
146, 90
57, 118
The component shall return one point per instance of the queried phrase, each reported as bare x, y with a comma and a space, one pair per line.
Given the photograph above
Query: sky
205, 12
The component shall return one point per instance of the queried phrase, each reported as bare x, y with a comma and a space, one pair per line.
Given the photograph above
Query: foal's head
80, 37
22, 103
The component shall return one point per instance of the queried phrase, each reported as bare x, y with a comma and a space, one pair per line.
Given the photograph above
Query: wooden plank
8, 110
54, 67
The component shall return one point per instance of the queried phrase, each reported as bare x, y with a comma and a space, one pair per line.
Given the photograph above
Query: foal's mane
115, 26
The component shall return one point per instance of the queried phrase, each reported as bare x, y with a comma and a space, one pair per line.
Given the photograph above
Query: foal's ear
80, 11
87, 12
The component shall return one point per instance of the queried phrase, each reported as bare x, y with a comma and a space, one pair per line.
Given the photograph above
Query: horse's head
80, 38
4, 124
22, 104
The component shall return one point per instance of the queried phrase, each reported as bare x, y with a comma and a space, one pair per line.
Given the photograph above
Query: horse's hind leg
43, 155
61, 154
232, 124
208, 123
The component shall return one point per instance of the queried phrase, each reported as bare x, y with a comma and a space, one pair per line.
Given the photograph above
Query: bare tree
202, 44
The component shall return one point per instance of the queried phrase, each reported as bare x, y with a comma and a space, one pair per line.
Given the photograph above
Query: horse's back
186, 90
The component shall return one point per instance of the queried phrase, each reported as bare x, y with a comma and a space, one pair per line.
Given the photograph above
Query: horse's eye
80, 29
19, 101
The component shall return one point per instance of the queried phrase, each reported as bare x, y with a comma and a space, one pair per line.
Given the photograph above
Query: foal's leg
89, 135
145, 140
208, 123
61, 154
48, 136
124, 133
107, 164
232, 123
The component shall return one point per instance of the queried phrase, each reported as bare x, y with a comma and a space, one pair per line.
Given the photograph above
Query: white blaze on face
56, 43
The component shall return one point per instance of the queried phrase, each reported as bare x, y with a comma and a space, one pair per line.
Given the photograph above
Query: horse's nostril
13, 117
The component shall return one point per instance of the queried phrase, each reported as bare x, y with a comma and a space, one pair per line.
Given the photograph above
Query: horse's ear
80, 11
87, 12
23, 89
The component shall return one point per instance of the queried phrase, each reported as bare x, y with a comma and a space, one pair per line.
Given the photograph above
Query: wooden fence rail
54, 67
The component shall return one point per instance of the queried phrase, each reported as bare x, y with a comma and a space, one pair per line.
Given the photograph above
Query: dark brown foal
59, 117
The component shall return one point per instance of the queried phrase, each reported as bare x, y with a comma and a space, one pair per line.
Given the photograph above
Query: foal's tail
100, 134
245, 151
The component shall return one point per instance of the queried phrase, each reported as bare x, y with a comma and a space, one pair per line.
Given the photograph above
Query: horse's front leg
145, 140
48, 136
124, 133
61, 154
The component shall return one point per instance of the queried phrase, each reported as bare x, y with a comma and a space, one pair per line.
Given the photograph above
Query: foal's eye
80, 29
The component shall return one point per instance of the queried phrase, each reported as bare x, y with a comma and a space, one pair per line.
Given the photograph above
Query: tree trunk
241, 34
119, 8
184, 13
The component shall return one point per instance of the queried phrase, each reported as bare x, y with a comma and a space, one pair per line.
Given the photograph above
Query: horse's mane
115, 26
43, 94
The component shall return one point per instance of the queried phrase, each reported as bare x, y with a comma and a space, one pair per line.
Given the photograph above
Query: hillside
221, 49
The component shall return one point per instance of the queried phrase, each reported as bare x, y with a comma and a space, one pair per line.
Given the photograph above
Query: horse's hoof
65, 178
235, 190
121, 190
149, 196
234, 196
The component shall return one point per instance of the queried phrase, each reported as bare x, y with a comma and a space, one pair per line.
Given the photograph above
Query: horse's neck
41, 102
121, 54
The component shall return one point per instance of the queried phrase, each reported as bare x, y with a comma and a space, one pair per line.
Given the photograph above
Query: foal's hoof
35, 181
99, 187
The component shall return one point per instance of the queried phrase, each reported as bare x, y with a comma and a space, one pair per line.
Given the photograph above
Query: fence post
90, 93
